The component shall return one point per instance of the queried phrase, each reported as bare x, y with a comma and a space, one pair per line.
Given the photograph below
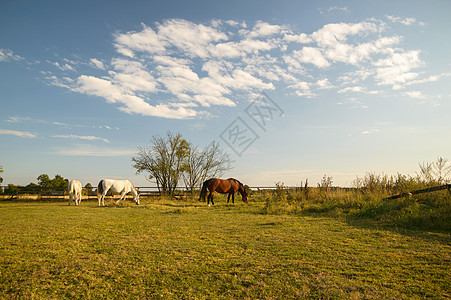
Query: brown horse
224, 186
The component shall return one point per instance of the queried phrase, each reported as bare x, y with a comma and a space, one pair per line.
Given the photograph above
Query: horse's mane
238, 182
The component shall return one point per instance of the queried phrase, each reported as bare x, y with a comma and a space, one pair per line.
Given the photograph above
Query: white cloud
16, 119
415, 94
88, 150
311, 55
337, 8
334, 10
59, 124
97, 63
192, 39
404, 21
146, 40
63, 67
396, 69
17, 133
370, 131
8, 55
299, 38
131, 103
332, 34
131, 75
81, 137
263, 29
178, 68
357, 89
324, 84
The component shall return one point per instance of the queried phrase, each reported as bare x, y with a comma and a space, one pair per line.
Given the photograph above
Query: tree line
43, 181
168, 161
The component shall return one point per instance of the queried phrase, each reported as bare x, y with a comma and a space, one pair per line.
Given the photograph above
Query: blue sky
291, 89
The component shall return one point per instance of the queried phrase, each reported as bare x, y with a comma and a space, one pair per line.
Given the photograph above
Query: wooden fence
422, 191
181, 192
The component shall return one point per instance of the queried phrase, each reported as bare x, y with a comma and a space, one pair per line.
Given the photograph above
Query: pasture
171, 249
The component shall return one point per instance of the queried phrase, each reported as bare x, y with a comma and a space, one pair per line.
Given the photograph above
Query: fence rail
422, 191
152, 191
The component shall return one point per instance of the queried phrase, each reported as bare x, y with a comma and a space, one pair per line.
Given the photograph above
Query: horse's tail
100, 189
203, 192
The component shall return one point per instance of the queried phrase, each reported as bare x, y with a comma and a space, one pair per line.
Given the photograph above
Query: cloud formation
87, 150
17, 133
82, 137
178, 69
8, 55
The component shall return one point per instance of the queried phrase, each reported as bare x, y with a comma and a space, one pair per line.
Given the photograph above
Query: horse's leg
124, 192
70, 195
233, 197
103, 198
210, 197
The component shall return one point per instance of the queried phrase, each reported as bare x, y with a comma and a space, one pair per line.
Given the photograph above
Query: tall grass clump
276, 201
368, 199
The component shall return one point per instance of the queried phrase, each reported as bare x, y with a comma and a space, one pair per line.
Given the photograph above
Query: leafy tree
44, 180
88, 187
58, 181
11, 189
164, 160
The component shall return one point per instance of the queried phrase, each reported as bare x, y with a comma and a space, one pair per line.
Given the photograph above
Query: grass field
170, 249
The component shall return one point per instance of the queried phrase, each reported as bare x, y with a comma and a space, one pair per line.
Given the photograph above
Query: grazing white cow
75, 191
116, 186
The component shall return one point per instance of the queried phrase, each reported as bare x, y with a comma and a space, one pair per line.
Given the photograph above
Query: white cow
75, 191
116, 186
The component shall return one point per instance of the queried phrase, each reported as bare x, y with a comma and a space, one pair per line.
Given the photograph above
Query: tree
1, 171
88, 187
58, 181
44, 180
164, 160
203, 164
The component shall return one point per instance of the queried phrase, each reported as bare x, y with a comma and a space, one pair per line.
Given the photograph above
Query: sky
292, 90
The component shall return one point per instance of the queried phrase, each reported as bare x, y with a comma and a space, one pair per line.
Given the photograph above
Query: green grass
431, 211
168, 249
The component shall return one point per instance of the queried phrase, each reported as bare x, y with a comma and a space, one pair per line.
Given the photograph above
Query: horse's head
243, 192
135, 193
245, 199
